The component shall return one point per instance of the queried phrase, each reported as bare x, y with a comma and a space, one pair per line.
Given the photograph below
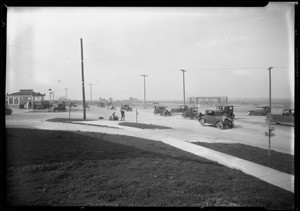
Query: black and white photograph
150, 106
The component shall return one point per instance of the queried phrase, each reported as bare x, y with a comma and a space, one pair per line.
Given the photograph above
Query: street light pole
183, 71
50, 94
144, 90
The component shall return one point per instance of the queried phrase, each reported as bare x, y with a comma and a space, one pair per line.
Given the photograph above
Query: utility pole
66, 93
82, 77
270, 68
144, 90
183, 71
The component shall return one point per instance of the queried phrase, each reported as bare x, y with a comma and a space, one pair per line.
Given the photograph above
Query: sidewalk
269, 175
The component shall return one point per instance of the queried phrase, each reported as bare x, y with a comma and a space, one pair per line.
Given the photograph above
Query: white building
24, 98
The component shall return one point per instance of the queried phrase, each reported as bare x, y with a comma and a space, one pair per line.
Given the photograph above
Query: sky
225, 51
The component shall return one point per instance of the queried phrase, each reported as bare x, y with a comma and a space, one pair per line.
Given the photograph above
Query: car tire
251, 113
220, 125
231, 125
202, 122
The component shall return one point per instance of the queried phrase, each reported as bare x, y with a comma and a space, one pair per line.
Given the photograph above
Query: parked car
215, 117
226, 110
46, 104
101, 105
191, 112
58, 107
181, 109
126, 107
286, 118
162, 110
259, 111
8, 111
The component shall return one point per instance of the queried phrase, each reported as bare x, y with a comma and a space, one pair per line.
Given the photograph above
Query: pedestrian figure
122, 115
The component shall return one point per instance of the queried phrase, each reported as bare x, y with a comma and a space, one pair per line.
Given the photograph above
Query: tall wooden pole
144, 90
183, 71
270, 68
66, 93
82, 76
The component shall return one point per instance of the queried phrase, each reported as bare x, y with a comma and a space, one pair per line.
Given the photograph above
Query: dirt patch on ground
59, 168
279, 161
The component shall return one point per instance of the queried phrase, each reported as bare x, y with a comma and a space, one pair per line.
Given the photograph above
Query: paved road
248, 129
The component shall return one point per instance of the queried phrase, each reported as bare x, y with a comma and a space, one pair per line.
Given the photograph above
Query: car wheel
231, 125
220, 125
202, 122
251, 113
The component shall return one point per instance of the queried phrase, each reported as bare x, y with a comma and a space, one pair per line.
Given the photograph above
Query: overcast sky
226, 51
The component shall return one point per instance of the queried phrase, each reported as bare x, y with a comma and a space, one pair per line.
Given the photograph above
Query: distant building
24, 98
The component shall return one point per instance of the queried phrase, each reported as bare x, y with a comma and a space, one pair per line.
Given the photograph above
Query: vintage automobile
126, 107
8, 111
286, 118
191, 112
259, 111
162, 110
181, 109
215, 117
101, 105
226, 110
58, 107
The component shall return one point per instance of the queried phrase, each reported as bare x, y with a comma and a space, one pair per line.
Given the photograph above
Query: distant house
24, 98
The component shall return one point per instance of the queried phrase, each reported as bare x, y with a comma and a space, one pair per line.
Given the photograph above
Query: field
58, 168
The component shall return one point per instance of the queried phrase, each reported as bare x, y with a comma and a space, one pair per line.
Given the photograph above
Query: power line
36, 51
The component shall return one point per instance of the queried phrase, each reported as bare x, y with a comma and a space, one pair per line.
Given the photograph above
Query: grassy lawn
279, 161
143, 126
60, 168
67, 120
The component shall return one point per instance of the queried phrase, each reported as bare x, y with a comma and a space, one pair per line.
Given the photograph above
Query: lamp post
144, 90
183, 71
50, 94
